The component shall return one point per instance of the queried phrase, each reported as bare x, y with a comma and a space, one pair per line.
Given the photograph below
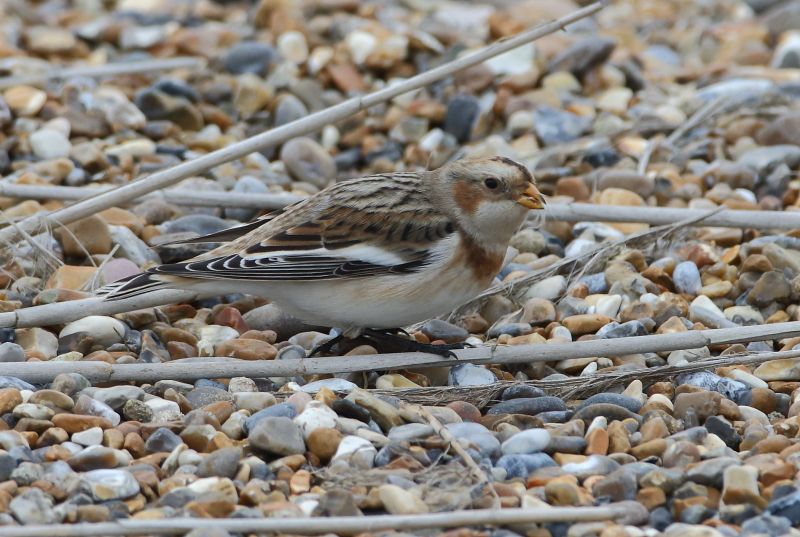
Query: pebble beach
670, 104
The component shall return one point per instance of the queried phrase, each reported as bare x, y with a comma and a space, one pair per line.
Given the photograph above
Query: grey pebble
470, 375
528, 405
614, 398
249, 57
277, 435
524, 465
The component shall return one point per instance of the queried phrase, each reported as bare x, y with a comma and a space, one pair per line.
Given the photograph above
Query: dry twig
479, 474
99, 71
337, 525
191, 369
563, 212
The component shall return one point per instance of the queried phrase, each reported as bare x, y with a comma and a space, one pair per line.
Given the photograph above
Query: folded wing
395, 233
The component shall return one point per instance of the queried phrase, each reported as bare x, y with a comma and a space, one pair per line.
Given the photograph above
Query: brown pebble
773, 444
179, 349
232, 317
618, 438
649, 449
651, 497
9, 398
324, 442
75, 423
597, 442
467, 411
247, 349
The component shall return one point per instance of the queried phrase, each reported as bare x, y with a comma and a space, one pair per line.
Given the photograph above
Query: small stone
162, 440
787, 369
89, 437
49, 144
71, 277
538, 311
524, 464
787, 506
554, 126
529, 441
437, 329
462, 113
528, 240
620, 485
587, 323
34, 507
769, 288
38, 340
24, 100
223, 462
292, 46
687, 278
397, 501
104, 331
384, 414
248, 57
470, 375
550, 288
582, 56
277, 435
106, 485
308, 161
324, 442
246, 349
701, 405
741, 486
316, 415
88, 235
9, 398
11, 352
356, 452
528, 406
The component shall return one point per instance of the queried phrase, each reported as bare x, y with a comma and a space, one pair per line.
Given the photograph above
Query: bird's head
488, 197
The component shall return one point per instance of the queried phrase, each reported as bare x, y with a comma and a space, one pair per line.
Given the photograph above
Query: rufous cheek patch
467, 197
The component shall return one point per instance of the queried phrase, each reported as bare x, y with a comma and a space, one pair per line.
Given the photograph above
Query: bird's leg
395, 332
327, 346
396, 343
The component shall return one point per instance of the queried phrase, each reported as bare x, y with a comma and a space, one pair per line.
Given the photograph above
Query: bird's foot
324, 348
390, 341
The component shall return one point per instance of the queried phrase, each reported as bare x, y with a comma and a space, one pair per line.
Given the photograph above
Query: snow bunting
378, 252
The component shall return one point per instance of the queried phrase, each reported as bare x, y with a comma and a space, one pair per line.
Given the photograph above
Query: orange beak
531, 198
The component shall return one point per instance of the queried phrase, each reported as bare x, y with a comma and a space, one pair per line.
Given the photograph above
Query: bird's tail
129, 287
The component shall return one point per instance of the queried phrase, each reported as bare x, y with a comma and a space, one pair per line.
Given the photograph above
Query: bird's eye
491, 183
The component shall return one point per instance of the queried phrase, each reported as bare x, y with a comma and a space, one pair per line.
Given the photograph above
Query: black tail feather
129, 287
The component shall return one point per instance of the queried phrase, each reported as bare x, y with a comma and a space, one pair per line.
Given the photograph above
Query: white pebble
317, 415
49, 144
360, 44
293, 46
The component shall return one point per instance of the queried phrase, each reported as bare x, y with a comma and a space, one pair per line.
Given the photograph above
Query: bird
366, 255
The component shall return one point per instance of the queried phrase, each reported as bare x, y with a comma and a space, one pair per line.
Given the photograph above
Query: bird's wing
373, 225
229, 234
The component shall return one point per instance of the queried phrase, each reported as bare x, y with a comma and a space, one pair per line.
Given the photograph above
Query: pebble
699, 452
248, 57
470, 375
49, 144
308, 161
277, 435
462, 113
530, 406
397, 501
105, 331
530, 441
107, 485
